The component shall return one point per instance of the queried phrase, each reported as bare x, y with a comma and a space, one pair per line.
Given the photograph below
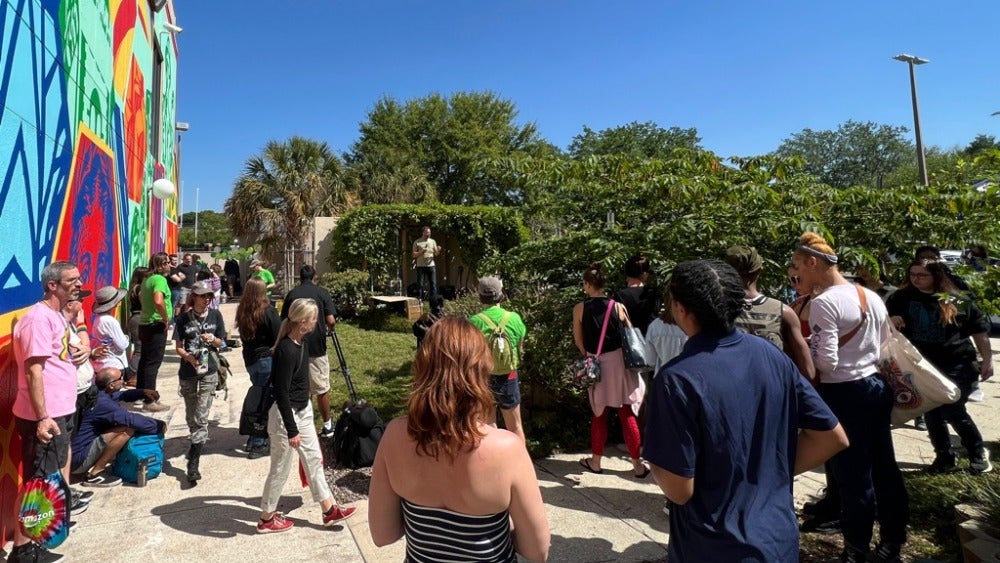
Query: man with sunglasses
46, 387
107, 427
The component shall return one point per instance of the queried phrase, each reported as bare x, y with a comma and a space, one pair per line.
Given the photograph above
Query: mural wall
88, 98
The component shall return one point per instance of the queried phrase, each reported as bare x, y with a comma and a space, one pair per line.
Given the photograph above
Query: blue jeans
430, 273
869, 478
260, 375
955, 414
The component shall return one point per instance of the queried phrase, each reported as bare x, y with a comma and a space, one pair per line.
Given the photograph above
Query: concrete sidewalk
594, 518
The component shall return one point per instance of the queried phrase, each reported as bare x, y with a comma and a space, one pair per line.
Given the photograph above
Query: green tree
855, 154
451, 140
281, 189
213, 229
980, 144
635, 140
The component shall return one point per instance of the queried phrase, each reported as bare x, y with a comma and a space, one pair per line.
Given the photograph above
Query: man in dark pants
319, 362
424, 250
46, 388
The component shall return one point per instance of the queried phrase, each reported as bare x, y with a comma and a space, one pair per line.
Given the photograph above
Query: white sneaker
977, 395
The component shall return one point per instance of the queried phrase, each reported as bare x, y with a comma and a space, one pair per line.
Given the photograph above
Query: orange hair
451, 394
816, 245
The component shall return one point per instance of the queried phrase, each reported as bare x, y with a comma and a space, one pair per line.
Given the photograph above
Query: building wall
79, 124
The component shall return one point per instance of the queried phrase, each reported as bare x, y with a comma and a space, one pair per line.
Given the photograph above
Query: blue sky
745, 74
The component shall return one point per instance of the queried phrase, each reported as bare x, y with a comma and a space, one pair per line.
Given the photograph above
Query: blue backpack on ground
141, 450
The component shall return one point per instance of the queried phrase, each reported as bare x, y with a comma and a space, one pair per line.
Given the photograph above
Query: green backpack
505, 358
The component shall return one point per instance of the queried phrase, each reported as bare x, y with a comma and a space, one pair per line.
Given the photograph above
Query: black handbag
253, 417
634, 352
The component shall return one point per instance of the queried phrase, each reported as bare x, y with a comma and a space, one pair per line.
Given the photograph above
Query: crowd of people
744, 392
730, 418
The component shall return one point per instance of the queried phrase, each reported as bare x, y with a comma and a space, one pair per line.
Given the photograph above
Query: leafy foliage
368, 238
634, 139
213, 230
856, 154
282, 189
439, 147
349, 290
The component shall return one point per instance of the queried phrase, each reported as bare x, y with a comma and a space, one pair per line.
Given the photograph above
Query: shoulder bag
633, 345
586, 372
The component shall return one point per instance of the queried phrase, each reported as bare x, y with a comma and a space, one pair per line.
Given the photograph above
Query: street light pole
197, 210
921, 163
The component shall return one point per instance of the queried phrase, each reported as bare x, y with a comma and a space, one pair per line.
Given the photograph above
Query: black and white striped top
438, 534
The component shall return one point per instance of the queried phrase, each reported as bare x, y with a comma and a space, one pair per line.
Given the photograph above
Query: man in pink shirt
46, 386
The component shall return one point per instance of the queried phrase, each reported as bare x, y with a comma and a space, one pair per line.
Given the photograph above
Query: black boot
194, 456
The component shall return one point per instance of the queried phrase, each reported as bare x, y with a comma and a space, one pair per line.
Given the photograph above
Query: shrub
349, 290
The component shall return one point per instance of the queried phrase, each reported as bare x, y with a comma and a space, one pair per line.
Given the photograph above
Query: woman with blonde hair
455, 486
849, 324
290, 424
939, 319
259, 324
619, 389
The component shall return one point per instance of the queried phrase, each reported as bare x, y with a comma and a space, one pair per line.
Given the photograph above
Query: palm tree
282, 189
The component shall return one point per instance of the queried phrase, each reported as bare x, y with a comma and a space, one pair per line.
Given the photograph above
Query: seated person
107, 427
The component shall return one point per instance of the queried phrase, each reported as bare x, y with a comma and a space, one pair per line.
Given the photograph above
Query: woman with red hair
452, 484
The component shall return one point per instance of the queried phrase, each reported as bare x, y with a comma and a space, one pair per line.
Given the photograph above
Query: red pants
630, 428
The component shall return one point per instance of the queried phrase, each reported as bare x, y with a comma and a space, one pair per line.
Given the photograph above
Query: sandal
585, 463
642, 475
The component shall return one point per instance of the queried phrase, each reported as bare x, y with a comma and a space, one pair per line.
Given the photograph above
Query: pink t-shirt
44, 333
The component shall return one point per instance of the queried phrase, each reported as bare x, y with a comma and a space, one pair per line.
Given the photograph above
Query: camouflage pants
198, 394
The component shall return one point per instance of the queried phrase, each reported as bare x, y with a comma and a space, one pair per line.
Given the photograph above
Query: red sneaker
337, 514
277, 523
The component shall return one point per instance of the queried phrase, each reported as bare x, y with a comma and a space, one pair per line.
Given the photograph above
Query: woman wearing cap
849, 324
108, 331
199, 333
619, 389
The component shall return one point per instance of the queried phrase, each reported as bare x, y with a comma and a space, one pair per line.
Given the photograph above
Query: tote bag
44, 512
917, 386
634, 352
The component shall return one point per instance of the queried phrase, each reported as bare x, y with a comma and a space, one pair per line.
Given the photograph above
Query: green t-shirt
515, 328
154, 283
266, 276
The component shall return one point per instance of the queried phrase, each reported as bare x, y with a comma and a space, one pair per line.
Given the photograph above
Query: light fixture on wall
172, 28
162, 189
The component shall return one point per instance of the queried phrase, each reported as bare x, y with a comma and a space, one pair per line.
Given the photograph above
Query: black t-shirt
946, 346
188, 329
316, 340
594, 310
290, 379
173, 285
259, 345
232, 268
190, 272
642, 304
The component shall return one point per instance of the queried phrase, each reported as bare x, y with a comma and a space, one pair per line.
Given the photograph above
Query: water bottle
140, 479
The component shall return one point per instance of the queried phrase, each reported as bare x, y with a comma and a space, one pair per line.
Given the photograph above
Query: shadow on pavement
220, 516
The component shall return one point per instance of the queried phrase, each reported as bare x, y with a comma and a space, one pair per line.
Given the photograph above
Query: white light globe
163, 188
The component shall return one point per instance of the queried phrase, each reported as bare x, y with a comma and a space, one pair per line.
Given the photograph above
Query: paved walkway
594, 518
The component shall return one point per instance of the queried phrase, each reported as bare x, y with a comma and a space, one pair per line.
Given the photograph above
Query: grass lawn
379, 363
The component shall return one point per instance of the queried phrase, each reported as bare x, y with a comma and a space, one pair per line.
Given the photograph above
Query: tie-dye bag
44, 515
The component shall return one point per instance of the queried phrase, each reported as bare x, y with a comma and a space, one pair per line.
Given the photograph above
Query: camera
202, 362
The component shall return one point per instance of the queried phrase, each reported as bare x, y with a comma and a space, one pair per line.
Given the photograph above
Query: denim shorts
506, 390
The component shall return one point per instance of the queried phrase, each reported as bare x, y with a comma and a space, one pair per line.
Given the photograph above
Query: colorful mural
77, 142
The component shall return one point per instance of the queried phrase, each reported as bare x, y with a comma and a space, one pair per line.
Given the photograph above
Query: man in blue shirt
723, 433
107, 427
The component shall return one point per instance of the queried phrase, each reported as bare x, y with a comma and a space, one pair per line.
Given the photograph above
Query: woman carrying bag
597, 331
290, 424
938, 320
259, 324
